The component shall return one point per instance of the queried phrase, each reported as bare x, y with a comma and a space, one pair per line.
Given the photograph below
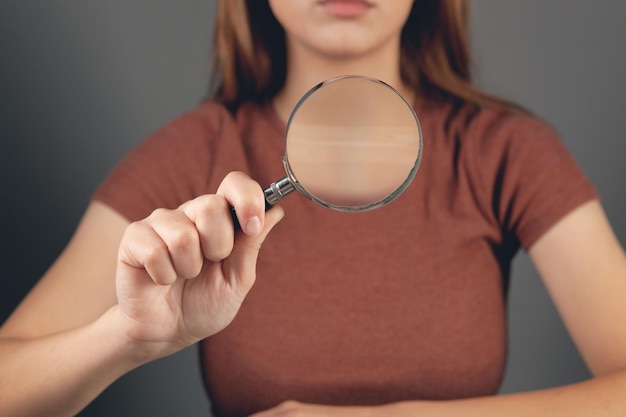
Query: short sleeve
532, 178
166, 169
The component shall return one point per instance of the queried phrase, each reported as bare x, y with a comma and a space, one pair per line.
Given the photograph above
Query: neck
306, 69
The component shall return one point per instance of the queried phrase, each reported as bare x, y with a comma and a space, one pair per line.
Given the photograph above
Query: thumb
241, 264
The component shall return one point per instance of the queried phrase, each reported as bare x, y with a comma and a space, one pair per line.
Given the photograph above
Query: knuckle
233, 175
219, 252
182, 239
232, 180
289, 405
154, 253
134, 228
195, 268
210, 205
158, 213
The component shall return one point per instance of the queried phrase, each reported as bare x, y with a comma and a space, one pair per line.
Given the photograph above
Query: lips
346, 9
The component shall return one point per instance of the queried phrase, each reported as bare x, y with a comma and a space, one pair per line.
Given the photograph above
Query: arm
180, 276
584, 269
45, 344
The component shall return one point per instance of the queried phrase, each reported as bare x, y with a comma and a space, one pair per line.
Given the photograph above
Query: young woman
387, 312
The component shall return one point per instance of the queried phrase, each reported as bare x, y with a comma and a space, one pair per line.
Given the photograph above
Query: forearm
60, 374
602, 395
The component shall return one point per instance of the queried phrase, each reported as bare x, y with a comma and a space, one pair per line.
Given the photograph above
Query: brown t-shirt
405, 302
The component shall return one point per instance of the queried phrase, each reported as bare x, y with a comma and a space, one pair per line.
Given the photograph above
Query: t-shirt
399, 303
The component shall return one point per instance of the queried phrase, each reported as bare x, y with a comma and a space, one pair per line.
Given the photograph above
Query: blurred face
341, 28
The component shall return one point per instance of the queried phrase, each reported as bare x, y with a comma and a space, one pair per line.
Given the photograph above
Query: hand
297, 409
182, 274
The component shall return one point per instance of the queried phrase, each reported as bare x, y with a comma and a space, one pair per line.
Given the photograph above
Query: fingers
210, 215
241, 265
142, 248
171, 244
246, 196
166, 244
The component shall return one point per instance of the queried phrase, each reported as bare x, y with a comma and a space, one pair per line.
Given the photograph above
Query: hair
249, 53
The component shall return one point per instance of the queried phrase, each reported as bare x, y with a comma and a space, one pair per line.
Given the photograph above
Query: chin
338, 48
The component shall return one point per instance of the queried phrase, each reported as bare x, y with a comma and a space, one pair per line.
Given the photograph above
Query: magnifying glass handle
275, 192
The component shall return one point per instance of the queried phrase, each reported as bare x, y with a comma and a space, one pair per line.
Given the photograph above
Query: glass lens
353, 143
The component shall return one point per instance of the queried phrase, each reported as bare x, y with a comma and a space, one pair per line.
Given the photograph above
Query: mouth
346, 9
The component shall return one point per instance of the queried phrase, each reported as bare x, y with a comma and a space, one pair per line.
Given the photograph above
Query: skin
370, 46
133, 293
579, 258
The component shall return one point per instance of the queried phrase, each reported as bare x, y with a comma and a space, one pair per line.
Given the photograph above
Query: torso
404, 302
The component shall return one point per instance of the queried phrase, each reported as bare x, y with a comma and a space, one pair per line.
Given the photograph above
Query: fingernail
253, 226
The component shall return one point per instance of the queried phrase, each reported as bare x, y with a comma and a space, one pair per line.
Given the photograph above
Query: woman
380, 312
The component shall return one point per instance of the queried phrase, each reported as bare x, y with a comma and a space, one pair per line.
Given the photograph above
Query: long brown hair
249, 52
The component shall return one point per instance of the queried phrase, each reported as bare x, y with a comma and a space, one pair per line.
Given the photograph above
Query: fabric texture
404, 302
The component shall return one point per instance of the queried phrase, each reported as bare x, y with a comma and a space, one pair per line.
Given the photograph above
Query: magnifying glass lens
353, 143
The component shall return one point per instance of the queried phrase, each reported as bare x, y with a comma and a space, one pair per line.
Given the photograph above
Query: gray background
81, 81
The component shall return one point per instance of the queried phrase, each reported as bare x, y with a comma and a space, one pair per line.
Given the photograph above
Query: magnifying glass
352, 143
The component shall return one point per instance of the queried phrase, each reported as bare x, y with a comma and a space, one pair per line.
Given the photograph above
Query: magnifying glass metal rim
276, 191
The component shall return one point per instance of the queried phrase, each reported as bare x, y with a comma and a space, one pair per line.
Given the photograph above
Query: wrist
132, 349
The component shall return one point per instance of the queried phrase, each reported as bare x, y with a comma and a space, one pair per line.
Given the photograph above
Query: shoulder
206, 120
525, 169
495, 138
488, 141
512, 131
484, 134
213, 119
203, 130
175, 163
492, 125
